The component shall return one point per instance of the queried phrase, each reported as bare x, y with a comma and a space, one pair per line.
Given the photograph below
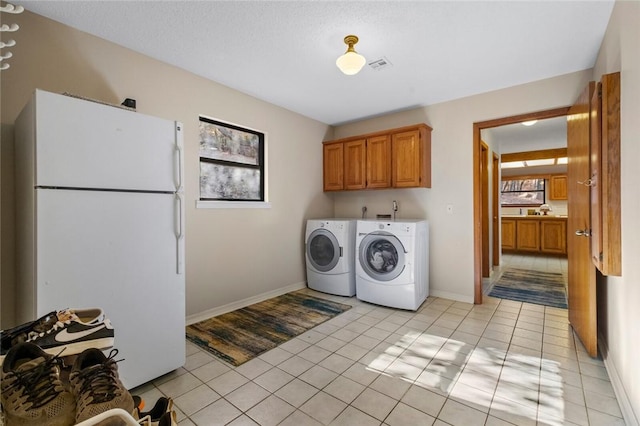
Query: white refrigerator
100, 214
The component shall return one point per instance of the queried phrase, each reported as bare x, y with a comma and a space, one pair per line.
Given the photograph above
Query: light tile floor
449, 363
538, 262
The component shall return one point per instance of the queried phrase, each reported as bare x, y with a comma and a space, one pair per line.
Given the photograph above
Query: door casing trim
477, 184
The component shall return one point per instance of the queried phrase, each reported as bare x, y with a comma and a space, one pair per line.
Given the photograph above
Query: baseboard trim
192, 319
451, 296
618, 388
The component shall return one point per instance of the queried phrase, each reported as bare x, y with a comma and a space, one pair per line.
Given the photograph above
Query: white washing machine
330, 255
392, 265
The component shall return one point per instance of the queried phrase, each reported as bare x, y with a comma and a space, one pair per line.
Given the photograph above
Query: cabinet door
406, 159
355, 164
528, 235
558, 187
553, 236
379, 162
508, 234
333, 166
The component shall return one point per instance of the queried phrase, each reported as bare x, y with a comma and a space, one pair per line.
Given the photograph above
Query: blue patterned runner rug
522, 285
238, 336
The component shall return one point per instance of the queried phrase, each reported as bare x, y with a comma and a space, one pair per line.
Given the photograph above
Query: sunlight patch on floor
509, 385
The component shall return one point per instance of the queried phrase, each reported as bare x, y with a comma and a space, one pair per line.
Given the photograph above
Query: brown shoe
97, 386
32, 393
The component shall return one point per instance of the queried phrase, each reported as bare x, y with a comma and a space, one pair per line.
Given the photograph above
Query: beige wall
231, 254
620, 296
451, 240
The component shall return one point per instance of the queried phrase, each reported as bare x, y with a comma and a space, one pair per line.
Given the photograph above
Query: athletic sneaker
10, 338
32, 393
167, 419
153, 417
73, 333
96, 385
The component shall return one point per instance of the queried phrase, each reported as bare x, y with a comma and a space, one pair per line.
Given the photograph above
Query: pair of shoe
161, 414
33, 393
69, 330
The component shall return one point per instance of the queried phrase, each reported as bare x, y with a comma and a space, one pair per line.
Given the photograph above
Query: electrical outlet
449, 208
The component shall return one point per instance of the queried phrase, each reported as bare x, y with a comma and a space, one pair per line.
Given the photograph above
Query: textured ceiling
285, 52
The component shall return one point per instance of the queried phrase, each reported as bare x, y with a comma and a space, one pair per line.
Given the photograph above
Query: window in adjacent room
522, 193
231, 162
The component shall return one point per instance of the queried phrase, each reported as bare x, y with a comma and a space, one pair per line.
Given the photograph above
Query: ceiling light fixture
351, 62
529, 123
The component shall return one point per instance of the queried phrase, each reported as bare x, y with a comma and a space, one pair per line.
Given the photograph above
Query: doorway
480, 193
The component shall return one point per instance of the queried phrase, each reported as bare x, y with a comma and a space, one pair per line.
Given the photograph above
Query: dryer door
382, 256
323, 250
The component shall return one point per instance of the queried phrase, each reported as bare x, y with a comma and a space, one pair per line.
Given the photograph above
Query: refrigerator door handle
179, 160
179, 233
179, 155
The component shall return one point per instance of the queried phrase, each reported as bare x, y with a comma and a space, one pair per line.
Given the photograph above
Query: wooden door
333, 166
406, 159
355, 164
379, 162
508, 234
528, 235
605, 176
553, 236
484, 171
495, 205
581, 272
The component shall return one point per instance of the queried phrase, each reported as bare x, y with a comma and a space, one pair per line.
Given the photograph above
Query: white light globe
350, 63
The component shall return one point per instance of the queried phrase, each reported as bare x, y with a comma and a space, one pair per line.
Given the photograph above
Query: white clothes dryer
330, 255
392, 265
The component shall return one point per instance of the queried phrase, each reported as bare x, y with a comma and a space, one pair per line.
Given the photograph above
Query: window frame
227, 202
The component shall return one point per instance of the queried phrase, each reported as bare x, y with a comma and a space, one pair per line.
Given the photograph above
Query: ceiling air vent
380, 64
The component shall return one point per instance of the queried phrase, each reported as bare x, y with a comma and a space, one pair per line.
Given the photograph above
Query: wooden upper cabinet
378, 162
406, 159
355, 159
396, 158
333, 166
606, 242
558, 187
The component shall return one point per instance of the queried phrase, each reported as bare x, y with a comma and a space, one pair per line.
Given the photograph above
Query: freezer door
121, 252
83, 144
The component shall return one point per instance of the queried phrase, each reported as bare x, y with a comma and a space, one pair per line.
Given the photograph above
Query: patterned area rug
238, 336
522, 285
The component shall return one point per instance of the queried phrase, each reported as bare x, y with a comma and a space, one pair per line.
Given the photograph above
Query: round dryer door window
382, 256
323, 250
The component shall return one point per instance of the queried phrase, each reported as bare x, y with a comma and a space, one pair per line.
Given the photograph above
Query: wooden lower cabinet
508, 234
534, 235
528, 235
553, 236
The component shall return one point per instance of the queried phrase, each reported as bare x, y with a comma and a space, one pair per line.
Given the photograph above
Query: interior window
522, 193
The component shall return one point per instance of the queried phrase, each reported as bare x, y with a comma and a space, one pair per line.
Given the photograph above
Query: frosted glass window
231, 162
